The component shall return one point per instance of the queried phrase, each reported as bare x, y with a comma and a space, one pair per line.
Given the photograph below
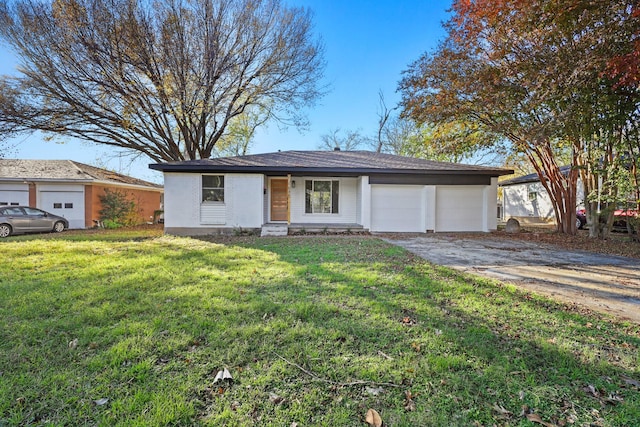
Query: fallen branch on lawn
336, 383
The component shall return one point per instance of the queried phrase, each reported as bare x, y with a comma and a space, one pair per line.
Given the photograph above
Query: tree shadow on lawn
303, 319
482, 342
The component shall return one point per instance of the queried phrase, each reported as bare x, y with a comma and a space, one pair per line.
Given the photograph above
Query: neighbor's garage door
459, 208
14, 195
397, 208
67, 204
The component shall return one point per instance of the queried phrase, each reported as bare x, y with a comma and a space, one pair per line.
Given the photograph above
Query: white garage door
397, 208
459, 208
14, 197
67, 204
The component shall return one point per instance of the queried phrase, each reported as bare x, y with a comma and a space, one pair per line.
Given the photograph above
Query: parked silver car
23, 219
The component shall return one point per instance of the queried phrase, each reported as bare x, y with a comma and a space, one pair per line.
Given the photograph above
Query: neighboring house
71, 189
524, 198
356, 190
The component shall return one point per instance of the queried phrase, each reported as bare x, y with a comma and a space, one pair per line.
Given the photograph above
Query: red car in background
620, 217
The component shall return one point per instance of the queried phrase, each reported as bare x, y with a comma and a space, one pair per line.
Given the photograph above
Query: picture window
321, 196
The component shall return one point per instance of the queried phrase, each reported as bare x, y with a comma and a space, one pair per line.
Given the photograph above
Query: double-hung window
321, 196
213, 188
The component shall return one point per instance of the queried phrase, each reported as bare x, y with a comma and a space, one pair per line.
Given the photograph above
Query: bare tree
383, 117
351, 140
164, 78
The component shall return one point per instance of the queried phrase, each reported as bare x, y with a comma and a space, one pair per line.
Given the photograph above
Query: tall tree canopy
163, 77
538, 72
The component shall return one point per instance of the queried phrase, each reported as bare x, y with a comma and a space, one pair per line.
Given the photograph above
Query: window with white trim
213, 188
321, 196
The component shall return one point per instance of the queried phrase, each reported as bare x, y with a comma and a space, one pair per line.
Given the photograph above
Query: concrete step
274, 230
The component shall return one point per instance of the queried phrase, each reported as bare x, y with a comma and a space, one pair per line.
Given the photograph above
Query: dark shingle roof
532, 177
64, 170
341, 162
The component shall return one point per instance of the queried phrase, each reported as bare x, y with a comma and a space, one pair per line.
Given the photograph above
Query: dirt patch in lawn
594, 274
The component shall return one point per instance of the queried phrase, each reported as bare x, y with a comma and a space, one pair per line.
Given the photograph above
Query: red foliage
626, 68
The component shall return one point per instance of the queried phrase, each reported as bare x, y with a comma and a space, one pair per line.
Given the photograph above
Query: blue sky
368, 44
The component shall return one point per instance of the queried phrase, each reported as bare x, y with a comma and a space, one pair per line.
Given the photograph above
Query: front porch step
274, 230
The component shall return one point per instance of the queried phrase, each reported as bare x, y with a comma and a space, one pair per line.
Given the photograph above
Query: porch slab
325, 228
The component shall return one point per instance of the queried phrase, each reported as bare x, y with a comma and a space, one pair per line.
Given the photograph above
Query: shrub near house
118, 209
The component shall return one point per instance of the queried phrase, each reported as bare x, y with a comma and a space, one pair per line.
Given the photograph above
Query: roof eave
55, 180
311, 170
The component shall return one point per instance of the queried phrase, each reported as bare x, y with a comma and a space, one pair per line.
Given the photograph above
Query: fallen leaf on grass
409, 404
614, 398
592, 391
631, 381
373, 418
386, 356
408, 321
223, 375
274, 398
500, 410
535, 418
374, 391
101, 402
73, 343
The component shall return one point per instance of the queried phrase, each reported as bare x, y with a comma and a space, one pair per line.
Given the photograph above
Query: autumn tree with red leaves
536, 72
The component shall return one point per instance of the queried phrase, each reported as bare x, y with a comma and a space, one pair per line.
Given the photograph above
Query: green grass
314, 330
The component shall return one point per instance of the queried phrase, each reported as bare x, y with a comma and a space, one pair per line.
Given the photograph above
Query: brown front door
279, 200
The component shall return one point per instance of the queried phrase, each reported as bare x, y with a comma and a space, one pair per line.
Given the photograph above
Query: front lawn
131, 329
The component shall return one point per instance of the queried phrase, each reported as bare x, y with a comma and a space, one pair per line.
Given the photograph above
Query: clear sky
368, 43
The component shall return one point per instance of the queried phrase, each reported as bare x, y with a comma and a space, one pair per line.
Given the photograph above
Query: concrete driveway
609, 284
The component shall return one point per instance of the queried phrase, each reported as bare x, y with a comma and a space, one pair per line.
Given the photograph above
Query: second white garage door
459, 208
397, 208
67, 204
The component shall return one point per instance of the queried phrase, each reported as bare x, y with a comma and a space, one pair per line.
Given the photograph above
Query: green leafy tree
239, 135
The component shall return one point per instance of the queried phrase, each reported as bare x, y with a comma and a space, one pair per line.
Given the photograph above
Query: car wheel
5, 230
58, 227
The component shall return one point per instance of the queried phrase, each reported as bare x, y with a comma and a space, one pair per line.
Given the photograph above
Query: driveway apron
609, 284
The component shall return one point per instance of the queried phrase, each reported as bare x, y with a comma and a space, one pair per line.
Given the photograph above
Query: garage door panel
459, 208
67, 204
397, 208
14, 197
